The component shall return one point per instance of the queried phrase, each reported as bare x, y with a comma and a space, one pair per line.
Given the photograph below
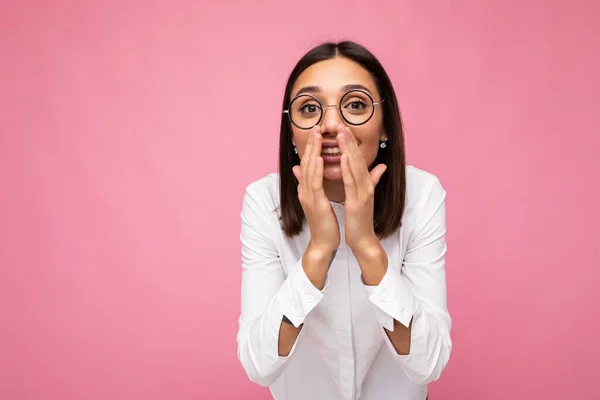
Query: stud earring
382, 144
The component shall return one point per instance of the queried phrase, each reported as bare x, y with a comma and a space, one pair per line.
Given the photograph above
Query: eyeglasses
356, 107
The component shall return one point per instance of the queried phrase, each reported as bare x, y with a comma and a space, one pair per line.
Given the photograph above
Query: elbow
255, 373
261, 379
425, 379
432, 368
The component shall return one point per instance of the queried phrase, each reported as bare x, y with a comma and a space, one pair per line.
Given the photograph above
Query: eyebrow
317, 89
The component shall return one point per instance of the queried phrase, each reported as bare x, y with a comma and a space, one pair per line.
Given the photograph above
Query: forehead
332, 75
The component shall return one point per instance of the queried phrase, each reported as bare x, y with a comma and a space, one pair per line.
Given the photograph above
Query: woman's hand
323, 224
359, 186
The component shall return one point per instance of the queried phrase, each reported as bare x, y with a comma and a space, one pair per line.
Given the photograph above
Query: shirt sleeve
267, 294
413, 292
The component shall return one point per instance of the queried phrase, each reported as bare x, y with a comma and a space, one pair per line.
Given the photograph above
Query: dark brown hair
391, 189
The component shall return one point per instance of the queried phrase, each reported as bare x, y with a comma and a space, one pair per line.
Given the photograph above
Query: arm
265, 342
374, 264
314, 262
410, 296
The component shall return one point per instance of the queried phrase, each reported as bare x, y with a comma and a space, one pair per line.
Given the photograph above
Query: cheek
369, 145
370, 154
300, 141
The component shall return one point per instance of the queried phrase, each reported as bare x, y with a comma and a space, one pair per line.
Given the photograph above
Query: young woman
343, 251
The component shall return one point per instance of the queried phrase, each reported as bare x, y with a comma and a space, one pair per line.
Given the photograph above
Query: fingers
297, 172
317, 179
364, 181
307, 150
315, 152
377, 172
310, 171
305, 162
356, 162
349, 183
317, 183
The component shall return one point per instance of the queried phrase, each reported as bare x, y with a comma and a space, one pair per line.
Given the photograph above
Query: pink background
129, 131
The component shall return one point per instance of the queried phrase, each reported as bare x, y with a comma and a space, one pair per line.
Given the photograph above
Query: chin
332, 172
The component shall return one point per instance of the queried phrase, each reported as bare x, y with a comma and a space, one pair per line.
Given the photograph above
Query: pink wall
128, 134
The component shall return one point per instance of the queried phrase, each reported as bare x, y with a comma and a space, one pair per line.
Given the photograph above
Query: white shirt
342, 351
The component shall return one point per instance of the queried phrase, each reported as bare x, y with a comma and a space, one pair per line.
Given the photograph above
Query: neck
334, 190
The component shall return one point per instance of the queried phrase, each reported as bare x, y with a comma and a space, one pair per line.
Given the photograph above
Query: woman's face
328, 81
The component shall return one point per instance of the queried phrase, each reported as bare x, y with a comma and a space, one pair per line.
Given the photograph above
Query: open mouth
331, 151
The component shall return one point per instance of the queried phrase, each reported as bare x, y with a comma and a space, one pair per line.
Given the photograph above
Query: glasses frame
338, 106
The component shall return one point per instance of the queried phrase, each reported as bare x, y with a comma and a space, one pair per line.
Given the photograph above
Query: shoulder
266, 187
424, 194
419, 181
262, 195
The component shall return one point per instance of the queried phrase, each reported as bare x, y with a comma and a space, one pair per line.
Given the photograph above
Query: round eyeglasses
356, 107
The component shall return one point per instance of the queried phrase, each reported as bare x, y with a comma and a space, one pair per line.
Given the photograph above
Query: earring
295, 149
382, 144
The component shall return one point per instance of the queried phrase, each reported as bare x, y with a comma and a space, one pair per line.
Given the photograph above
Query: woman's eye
355, 105
309, 108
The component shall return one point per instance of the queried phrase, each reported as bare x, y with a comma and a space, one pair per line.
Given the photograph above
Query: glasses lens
357, 107
305, 111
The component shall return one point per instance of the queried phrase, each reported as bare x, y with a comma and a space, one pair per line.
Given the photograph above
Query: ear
384, 136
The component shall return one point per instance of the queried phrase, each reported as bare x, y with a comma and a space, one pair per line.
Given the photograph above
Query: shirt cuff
392, 299
300, 296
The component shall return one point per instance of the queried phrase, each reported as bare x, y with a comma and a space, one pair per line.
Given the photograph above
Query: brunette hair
391, 190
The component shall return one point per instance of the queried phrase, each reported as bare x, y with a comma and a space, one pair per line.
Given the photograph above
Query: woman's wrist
372, 259
368, 247
316, 261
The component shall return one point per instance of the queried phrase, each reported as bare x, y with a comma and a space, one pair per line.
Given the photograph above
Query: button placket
347, 360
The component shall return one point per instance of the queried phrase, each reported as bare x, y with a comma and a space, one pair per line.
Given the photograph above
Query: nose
331, 120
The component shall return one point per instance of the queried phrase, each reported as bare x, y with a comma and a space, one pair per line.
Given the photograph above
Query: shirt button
384, 297
310, 298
